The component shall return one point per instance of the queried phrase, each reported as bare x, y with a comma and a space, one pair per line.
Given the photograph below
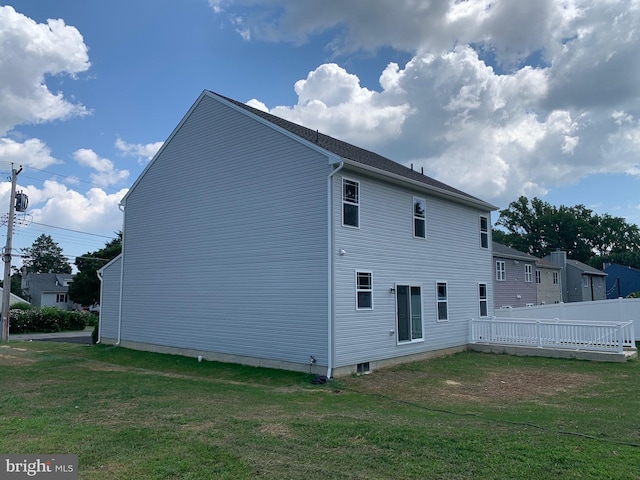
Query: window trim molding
502, 271
484, 232
422, 315
445, 301
417, 218
480, 299
528, 273
343, 201
358, 289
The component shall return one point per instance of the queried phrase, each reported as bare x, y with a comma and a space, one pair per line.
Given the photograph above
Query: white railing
566, 334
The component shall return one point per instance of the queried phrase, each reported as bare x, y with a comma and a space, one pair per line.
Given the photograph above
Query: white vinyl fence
565, 334
616, 311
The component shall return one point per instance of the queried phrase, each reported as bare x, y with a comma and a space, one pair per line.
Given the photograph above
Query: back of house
254, 240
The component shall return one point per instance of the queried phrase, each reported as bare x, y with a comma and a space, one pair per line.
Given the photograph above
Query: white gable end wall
384, 244
226, 243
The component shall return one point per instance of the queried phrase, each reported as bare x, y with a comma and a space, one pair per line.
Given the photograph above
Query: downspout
121, 207
100, 312
330, 283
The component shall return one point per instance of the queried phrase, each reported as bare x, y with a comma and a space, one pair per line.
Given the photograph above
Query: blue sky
497, 98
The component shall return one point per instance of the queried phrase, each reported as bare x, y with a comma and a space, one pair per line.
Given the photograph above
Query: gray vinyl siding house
514, 277
254, 240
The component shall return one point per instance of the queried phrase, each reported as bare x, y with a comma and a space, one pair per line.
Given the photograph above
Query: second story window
419, 222
350, 203
528, 273
484, 232
500, 271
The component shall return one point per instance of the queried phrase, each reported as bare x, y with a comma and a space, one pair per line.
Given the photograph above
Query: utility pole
6, 285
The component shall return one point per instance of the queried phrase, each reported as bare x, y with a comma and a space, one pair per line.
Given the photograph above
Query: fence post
620, 338
539, 334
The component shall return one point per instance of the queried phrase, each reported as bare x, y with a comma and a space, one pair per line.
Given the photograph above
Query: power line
71, 230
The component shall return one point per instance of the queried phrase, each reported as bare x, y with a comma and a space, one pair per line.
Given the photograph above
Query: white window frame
346, 201
585, 281
482, 300
418, 218
501, 267
360, 289
484, 232
556, 278
538, 277
63, 296
444, 301
417, 339
528, 273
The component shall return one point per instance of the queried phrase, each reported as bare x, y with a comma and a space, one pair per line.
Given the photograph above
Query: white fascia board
435, 191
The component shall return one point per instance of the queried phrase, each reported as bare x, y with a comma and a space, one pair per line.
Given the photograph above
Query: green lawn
138, 415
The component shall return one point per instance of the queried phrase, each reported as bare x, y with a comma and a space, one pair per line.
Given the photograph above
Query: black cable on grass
489, 419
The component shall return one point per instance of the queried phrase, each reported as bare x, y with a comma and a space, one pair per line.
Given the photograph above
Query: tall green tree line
538, 228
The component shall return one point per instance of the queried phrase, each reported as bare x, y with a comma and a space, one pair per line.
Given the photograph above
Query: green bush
22, 306
46, 320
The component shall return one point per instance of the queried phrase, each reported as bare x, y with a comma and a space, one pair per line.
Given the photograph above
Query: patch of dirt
503, 386
13, 356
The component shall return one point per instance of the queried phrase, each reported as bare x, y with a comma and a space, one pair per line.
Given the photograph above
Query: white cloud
500, 98
106, 174
29, 52
32, 153
144, 152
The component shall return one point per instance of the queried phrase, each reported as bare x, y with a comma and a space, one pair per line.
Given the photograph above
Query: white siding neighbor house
254, 240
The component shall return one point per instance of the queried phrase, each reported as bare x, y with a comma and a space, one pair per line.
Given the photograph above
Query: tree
85, 288
45, 256
539, 228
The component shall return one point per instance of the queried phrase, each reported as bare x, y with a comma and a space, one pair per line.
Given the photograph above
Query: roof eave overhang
430, 189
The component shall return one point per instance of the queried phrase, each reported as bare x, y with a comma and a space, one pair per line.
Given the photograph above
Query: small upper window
555, 278
484, 231
350, 203
500, 271
538, 278
364, 291
419, 222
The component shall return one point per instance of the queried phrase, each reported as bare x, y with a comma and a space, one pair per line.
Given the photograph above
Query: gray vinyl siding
514, 291
549, 292
110, 300
226, 242
384, 245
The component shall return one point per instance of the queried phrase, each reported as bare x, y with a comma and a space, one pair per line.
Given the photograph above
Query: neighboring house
514, 277
621, 280
580, 282
48, 289
548, 282
13, 298
254, 240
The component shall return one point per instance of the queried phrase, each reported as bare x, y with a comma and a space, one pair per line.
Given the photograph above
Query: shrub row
48, 319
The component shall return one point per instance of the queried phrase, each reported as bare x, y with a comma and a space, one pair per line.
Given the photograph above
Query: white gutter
330, 283
121, 207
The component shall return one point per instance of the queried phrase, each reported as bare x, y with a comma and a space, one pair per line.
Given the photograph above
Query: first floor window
364, 291
350, 203
61, 298
484, 305
538, 279
528, 273
585, 281
419, 222
555, 278
500, 271
442, 301
409, 312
